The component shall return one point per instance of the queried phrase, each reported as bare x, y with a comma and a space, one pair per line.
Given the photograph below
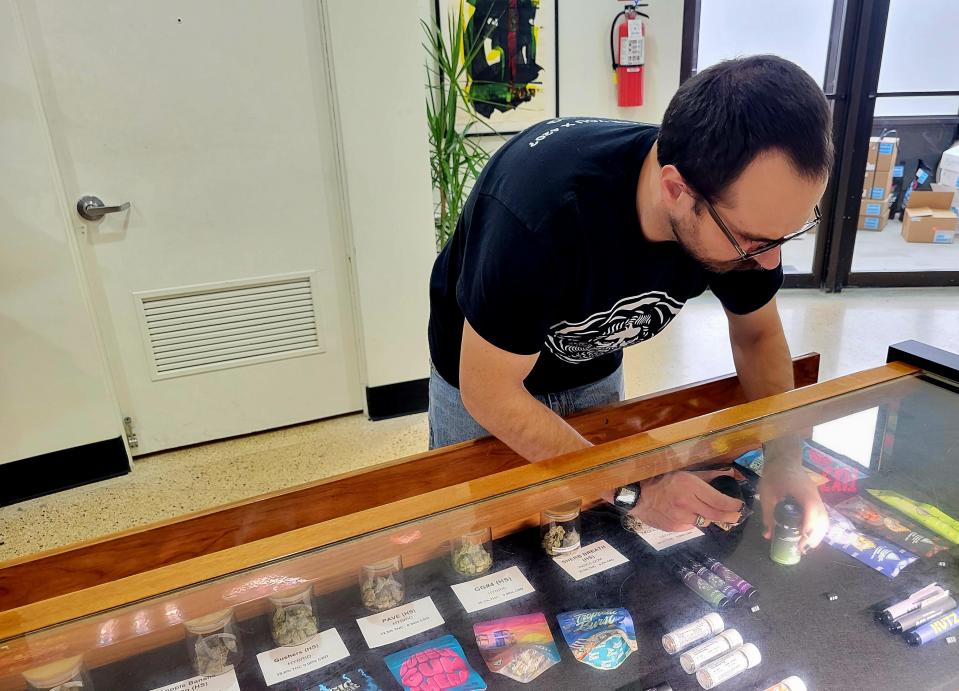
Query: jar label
287, 662
492, 589
590, 560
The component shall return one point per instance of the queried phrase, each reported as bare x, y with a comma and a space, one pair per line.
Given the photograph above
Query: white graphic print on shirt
629, 321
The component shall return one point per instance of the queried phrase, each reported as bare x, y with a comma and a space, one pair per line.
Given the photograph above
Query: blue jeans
451, 423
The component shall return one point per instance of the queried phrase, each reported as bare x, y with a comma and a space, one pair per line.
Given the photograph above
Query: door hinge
132, 440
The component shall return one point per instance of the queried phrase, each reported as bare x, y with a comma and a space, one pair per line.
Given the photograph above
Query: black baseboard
395, 400
800, 281
59, 470
927, 357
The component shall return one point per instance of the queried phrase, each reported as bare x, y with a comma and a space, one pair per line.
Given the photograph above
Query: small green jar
784, 547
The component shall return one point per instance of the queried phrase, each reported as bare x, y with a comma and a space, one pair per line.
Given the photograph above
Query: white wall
54, 390
585, 73
797, 30
379, 75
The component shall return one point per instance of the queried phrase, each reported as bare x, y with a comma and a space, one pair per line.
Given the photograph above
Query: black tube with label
936, 608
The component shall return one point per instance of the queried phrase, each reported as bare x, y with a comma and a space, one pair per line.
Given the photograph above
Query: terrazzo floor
851, 331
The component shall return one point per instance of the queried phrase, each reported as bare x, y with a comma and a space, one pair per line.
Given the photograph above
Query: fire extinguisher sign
632, 46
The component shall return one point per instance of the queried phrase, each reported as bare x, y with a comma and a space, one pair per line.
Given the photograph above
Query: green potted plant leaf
456, 159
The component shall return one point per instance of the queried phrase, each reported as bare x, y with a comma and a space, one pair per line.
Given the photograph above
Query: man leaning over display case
586, 235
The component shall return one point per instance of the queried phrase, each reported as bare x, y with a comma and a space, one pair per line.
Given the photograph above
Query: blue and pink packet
436, 664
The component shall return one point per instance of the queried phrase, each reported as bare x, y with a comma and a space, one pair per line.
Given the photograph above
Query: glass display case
471, 586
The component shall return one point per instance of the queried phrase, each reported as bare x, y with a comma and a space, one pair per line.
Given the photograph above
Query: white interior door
223, 291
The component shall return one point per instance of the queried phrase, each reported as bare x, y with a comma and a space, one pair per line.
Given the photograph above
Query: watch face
626, 495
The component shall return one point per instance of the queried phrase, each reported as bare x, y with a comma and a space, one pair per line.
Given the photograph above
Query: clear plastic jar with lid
382, 585
560, 528
213, 643
293, 620
728, 666
63, 675
471, 554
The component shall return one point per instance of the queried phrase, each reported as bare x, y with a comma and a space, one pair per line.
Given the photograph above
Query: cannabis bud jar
560, 528
471, 554
213, 643
382, 585
294, 619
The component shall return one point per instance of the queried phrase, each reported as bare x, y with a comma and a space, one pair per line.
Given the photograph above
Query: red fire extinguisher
628, 54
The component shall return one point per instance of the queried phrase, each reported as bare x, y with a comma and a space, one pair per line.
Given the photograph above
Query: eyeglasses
765, 247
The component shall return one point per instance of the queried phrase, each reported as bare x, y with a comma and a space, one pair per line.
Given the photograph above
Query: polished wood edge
149, 584
806, 361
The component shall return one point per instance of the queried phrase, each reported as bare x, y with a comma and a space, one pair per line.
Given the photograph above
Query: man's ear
671, 185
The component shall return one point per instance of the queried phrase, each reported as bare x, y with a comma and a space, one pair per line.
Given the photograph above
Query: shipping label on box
872, 222
881, 183
871, 207
944, 237
887, 150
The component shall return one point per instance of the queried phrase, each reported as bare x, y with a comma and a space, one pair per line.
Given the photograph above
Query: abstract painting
511, 78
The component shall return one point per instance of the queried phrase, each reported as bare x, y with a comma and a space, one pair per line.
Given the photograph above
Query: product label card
400, 622
492, 589
291, 661
590, 560
660, 539
222, 682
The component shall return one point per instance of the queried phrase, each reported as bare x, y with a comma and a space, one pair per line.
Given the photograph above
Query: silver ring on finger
701, 522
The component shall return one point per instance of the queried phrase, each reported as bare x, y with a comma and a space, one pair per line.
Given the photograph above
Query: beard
687, 236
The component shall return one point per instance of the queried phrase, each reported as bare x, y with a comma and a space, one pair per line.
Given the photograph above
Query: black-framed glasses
765, 247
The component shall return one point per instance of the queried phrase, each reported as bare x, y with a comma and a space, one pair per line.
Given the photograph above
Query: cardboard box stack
874, 209
947, 175
929, 218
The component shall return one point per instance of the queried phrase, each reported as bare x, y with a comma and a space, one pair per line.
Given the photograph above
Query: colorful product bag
354, 680
884, 557
601, 638
519, 647
434, 665
930, 516
873, 518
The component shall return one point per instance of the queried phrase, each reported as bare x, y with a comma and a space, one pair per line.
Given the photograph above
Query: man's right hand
491, 385
672, 501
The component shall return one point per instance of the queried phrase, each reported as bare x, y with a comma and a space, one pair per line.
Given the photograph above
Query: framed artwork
512, 78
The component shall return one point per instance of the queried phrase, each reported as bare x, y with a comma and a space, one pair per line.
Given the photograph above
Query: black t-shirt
548, 257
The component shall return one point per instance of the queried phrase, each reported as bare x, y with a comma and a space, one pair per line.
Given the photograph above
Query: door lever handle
93, 209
